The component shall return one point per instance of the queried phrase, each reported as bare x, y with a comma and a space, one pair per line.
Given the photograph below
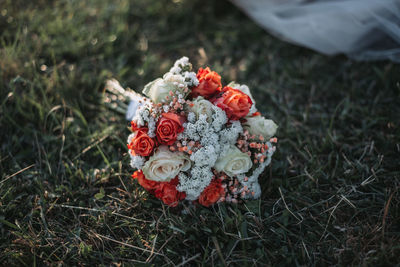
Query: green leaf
101, 194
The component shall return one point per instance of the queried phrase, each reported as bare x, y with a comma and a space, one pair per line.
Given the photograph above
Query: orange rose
168, 127
212, 193
149, 185
235, 103
142, 144
168, 194
209, 83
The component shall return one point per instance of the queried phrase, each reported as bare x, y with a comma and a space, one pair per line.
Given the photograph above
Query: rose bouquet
195, 139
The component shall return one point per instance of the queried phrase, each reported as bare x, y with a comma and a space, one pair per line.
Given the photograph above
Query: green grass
331, 195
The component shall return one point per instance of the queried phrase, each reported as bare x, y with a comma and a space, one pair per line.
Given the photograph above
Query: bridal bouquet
194, 139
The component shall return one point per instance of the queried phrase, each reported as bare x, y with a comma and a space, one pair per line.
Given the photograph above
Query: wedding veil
361, 29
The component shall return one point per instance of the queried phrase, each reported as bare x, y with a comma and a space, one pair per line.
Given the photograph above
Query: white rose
165, 165
245, 89
158, 89
202, 106
259, 125
233, 162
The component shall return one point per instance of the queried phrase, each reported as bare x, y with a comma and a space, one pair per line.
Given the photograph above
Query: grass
330, 197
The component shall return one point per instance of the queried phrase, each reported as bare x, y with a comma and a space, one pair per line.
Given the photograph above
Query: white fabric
362, 29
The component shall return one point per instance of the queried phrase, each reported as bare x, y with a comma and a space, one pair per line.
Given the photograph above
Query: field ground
330, 197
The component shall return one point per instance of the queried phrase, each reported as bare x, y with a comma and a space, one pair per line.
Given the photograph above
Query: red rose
235, 103
142, 144
212, 193
168, 127
255, 114
135, 128
209, 83
149, 185
168, 194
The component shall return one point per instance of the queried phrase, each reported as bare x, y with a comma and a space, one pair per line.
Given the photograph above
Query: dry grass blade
15, 174
126, 244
